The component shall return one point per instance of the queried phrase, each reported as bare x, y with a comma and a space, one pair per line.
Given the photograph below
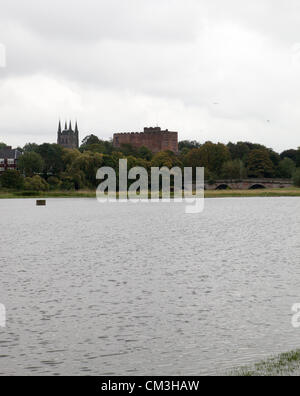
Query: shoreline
284, 192
285, 364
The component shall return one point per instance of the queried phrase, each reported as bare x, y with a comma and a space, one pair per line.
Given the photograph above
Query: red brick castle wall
153, 138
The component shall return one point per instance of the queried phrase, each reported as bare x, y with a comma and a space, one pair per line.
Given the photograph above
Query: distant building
68, 138
154, 139
9, 158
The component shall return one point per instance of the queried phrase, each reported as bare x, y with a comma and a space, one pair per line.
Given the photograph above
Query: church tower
68, 138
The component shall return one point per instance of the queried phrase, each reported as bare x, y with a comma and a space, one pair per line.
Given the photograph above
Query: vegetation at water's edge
286, 364
50, 167
282, 192
8, 194
278, 192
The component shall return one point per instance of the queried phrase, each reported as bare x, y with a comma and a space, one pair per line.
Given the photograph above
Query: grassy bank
48, 194
283, 192
276, 192
286, 364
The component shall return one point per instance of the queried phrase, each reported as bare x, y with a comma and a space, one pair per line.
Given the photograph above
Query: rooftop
9, 152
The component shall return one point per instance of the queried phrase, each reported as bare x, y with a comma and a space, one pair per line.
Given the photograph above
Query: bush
35, 183
67, 184
296, 178
54, 183
12, 179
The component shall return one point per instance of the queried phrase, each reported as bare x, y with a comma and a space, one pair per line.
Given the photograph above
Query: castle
154, 139
68, 138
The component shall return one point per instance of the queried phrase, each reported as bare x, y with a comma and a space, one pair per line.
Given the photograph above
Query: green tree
90, 139
2, 145
112, 160
240, 150
296, 178
286, 168
133, 162
145, 153
29, 147
209, 177
259, 164
30, 163
274, 157
109, 147
255, 146
128, 149
69, 156
167, 159
292, 154
192, 158
298, 158
95, 148
233, 170
188, 144
35, 183
211, 156
12, 179
52, 155
85, 167
101, 147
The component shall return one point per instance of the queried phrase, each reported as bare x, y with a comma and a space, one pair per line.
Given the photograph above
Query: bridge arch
223, 186
257, 186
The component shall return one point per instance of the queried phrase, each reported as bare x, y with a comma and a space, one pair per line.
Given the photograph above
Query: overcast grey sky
220, 70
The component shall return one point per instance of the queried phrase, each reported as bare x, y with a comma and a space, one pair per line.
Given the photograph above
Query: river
136, 289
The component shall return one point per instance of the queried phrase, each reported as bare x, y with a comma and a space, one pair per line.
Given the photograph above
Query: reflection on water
146, 289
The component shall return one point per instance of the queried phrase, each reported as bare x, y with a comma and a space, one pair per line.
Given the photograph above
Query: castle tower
68, 138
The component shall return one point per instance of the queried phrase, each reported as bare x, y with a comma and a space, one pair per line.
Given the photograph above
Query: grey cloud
163, 61
93, 20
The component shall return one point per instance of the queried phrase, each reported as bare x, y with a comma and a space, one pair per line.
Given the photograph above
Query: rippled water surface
146, 289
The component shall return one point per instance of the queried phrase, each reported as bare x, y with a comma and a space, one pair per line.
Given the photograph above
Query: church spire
68, 138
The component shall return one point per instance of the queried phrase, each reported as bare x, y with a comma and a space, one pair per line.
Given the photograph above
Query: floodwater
136, 289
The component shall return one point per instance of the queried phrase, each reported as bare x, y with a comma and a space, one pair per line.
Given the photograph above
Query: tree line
52, 167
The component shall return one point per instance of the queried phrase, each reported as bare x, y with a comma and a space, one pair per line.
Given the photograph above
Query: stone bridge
248, 184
